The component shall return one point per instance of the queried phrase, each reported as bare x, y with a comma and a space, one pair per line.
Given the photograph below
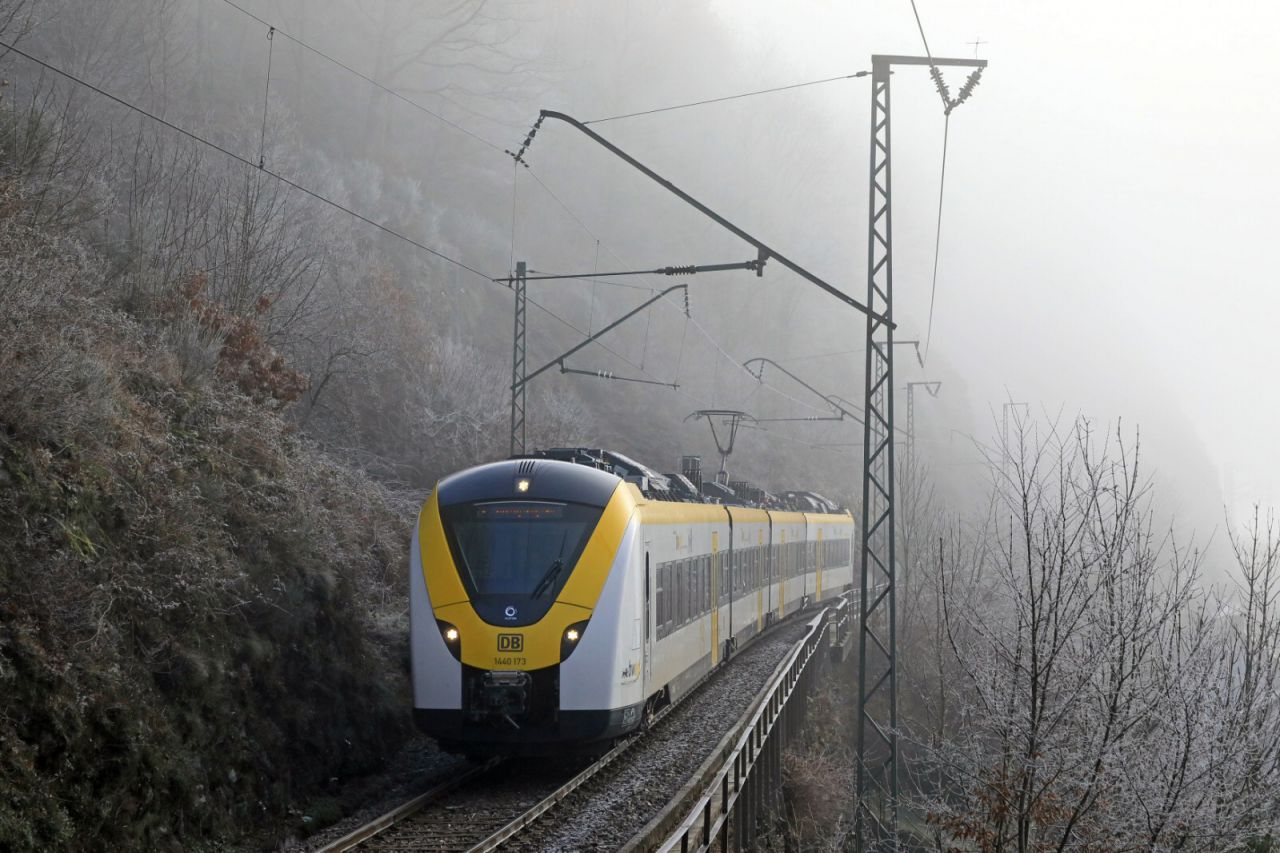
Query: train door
784, 570
714, 573
729, 578
648, 616
818, 562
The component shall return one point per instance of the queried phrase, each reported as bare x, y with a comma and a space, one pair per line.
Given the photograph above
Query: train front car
526, 601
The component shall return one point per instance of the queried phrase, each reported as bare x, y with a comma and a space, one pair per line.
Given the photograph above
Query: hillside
202, 616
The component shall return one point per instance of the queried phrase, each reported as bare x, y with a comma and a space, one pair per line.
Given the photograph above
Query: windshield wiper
550, 576
553, 570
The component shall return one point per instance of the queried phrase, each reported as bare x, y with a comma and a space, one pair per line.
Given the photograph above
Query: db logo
510, 643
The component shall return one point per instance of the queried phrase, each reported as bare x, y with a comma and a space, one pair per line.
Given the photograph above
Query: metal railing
749, 782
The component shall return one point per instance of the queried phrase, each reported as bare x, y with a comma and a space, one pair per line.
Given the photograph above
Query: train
559, 601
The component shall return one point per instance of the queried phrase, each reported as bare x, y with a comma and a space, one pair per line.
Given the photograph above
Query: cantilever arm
765, 252
560, 358
830, 399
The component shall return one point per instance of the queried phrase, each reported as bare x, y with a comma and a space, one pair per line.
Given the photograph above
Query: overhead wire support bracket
839, 417
517, 385
763, 250
836, 403
756, 266
609, 374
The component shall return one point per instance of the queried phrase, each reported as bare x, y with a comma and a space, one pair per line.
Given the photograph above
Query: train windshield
518, 549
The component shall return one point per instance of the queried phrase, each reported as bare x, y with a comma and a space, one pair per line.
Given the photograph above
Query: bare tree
1101, 698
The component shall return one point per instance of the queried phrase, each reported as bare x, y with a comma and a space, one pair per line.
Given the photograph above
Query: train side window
702, 586
679, 585
726, 573
725, 579
691, 589
700, 582
660, 600
697, 588
675, 594
686, 595
697, 584
707, 584
691, 602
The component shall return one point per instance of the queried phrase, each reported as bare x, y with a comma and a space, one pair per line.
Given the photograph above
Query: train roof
657, 486
534, 479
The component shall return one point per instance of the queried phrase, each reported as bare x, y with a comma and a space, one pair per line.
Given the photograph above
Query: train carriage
555, 605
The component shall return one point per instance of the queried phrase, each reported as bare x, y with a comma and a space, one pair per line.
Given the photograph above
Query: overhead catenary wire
668, 300
273, 29
937, 236
226, 152
729, 98
262, 168
948, 104
266, 98
371, 81
920, 27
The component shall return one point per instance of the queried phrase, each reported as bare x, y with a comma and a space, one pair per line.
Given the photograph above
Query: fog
1104, 245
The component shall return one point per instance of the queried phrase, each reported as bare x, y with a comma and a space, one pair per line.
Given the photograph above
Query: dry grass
202, 616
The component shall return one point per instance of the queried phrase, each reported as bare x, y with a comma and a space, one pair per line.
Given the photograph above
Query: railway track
481, 808
488, 805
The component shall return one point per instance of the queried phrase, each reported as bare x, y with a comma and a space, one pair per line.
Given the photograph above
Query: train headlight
452, 639
571, 638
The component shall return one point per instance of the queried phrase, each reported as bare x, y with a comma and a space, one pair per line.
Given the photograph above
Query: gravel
418, 766
612, 806
620, 800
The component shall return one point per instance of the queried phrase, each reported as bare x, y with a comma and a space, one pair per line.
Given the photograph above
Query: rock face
200, 615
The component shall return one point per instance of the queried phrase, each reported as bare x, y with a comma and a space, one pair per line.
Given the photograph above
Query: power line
263, 169
226, 152
937, 236
948, 105
729, 98
920, 27
701, 329
393, 93
595, 279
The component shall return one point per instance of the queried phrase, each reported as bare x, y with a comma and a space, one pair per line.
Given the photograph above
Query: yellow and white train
553, 605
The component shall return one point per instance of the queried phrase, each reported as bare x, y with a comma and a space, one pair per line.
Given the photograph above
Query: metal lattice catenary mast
877, 786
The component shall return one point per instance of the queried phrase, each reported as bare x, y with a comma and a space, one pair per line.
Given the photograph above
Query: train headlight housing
452, 639
571, 638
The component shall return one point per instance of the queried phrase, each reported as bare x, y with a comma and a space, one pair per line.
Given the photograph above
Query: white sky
1113, 203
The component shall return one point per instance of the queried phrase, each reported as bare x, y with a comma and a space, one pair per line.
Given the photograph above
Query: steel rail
529, 816
361, 834
544, 805
547, 803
